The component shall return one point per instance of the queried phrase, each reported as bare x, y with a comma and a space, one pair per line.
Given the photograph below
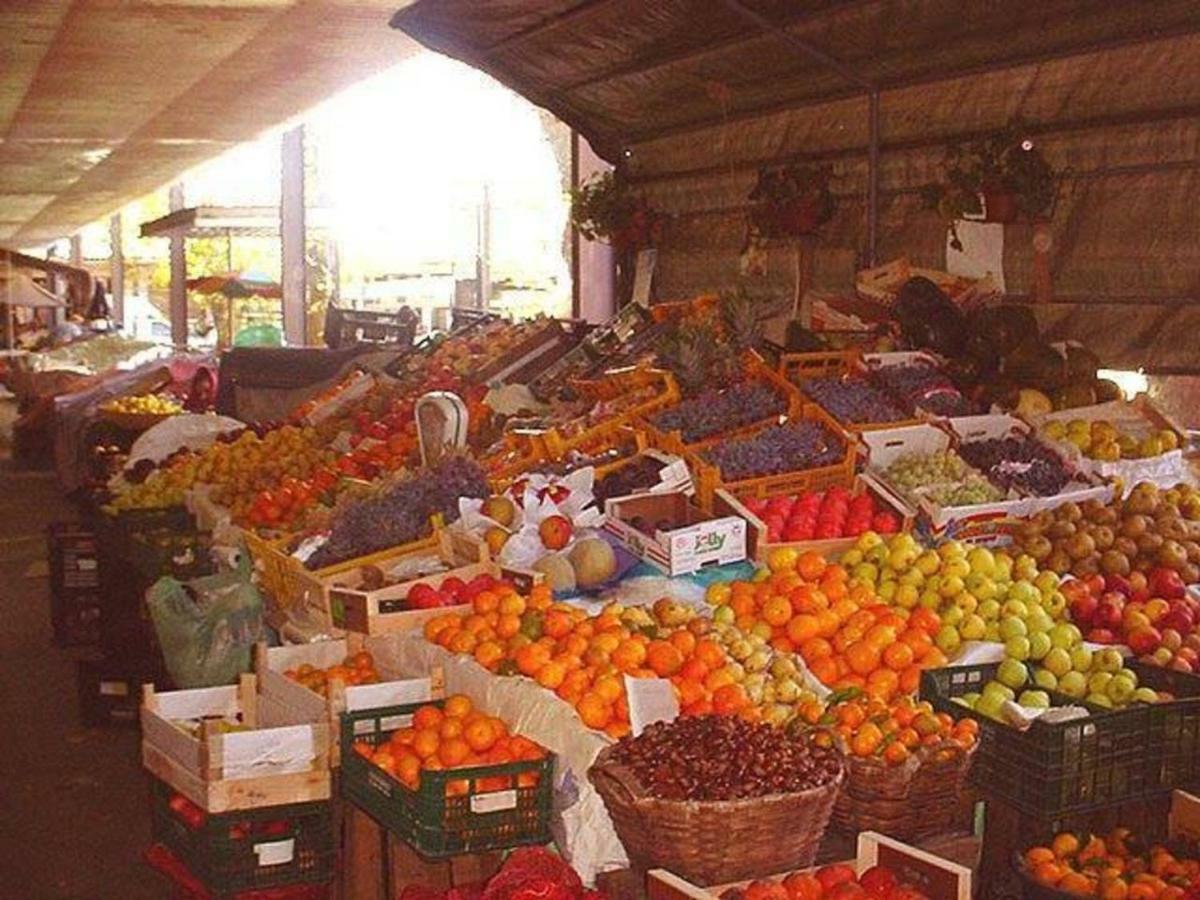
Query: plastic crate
114, 530
110, 690
1056, 769
247, 850
76, 618
798, 368
74, 557
434, 824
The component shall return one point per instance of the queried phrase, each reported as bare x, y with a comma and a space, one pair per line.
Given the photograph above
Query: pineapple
739, 317
687, 353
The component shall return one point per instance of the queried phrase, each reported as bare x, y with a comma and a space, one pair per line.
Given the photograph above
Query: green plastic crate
434, 824
251, 849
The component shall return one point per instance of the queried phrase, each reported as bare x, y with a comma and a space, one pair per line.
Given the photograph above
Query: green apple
961, 701
1034, 699
1011, 627
993, 632
966, 602
1017, 648
990, 705
1145, 695
886, 591
998, 689
1057, 662
851, 558
1099, 700
1082, 659
867, 540
865, 572
902, 557
724, 615
907, 596
981, 560
949, 585
952, 615
928, 563
1121, 689
1012, 673
948, 640
1039, 645
952, 550
973, 628
957, 566
877, 556
1055, 604
1098, 682
930, 598
1047, 582
1110, 660
1025, 571
1064, 636
1004, 568
972, 697
1017, 609
1073, 684
981, 586
990, 610
913, 577
1039, 622
1045, 680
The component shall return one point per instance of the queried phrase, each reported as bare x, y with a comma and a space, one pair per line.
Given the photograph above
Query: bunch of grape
926, 387
714, 412
776, 450
1020, 462
943, 477
854, 400
639, 475
400, 513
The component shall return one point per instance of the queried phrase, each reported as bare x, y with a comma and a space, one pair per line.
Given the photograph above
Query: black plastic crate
115, 530
1053, 769
74, 557
110, 690
75, 617
1174, 726
436, 820
246, 850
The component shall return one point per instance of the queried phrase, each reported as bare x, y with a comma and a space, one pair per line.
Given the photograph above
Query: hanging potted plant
789, 201
997, 179
604, 209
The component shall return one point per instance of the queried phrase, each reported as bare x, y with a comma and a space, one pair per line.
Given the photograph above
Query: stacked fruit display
1100, 439
1151, 614
451, 591
144, 404
399, 511
706, 758
358, 668
870, 728
924, 387
717, 411
637, 476
835, 882
1150, 528
1023, 463
943, 477
236, 467
853, 400
453, 736
821, 515
776, 450
1114, 865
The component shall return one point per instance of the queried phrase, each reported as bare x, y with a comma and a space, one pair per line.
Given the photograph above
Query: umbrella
18, 289
236, 284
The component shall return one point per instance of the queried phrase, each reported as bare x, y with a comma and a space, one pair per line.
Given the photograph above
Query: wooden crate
276, 761
306, 705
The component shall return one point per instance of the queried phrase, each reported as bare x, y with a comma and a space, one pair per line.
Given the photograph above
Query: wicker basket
909, 802
713, 842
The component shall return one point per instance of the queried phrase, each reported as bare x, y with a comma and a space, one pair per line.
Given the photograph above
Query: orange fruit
628, 655
453, 752
593, 711
451, 728
457, 706
934, 659
480, 735
920, 642
693, 671
1077, 883
664, 658
426, 742
683, 641
729, 699
1048, 873
710, 653
609, 688
511, 605
461, 642
883, 683
862, 657
824, 669
866, 739
776, 611
1065, 845
507, 625
829, 623
408, 770
811, 566
403, 737
880, 636
427, 717
551, 675
531, 658
897, 656
896, 753
803, 628
489, 654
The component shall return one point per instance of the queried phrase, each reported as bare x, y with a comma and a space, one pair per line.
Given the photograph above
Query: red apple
1192, 640
1144, 640
1171, 639
1181, 665
1101, 636
1157, 608
1163, 582
1094, 583
831, 876
1108, 614
424, 596
1161, 657
1189, 655
1083, 608
1119, 584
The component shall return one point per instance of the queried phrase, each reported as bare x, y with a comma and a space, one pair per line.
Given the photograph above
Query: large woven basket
713, 842
908, 802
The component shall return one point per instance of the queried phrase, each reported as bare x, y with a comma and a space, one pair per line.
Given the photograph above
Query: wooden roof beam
549, 24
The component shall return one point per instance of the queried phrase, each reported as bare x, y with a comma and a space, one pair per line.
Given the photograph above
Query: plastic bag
207, 627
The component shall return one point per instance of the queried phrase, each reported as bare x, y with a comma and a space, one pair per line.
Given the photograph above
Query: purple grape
925, 387
775, 450
1020, 462
854, 400
714, 412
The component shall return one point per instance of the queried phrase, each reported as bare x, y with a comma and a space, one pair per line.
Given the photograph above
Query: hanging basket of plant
789, 202
604, 209
1000, 178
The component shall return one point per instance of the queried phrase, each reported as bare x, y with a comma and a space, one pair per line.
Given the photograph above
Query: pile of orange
846, 636
584, 659
1107, 867
453, 736
869, 727
358, 668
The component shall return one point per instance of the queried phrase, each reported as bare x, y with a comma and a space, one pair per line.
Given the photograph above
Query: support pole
179, 299
116, 268
872, 176
292, 238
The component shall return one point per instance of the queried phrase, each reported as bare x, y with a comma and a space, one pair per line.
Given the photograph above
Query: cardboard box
689, 540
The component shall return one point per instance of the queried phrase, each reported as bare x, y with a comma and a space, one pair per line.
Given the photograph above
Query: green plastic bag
207, 627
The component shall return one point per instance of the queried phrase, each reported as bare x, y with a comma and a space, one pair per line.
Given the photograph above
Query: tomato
848, 891
878, 881
832, 876
803, 886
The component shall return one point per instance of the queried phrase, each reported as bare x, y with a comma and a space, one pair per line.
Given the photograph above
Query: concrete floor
74, 818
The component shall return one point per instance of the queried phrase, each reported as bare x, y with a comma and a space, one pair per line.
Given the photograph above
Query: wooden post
179, 299
116, 268
363, 856
248, 699
292, 237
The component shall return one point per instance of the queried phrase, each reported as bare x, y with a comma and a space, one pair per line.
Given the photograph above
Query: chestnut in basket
725, 758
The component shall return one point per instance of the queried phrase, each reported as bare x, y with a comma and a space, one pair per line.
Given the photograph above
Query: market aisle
75, 816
